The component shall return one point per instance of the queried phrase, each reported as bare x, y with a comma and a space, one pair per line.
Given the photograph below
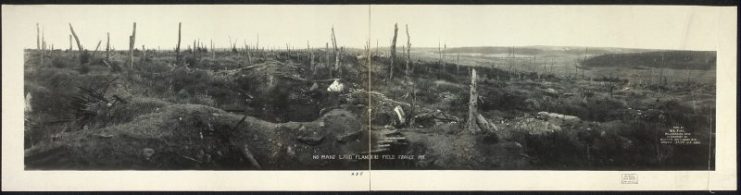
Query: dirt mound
200, 137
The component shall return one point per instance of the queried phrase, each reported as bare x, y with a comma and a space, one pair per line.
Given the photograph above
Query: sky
651, 27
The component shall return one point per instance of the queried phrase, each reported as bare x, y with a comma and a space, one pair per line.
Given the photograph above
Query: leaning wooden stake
393, 52
471, 125
132, 40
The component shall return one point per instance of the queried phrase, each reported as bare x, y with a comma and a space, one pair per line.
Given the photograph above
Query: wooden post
177, 48
393, 52
132, 41
471, 125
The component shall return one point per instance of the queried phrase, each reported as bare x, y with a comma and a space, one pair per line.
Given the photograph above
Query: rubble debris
548, 115
336, 86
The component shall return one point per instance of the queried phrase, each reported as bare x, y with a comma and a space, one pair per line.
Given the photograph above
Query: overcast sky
655, 27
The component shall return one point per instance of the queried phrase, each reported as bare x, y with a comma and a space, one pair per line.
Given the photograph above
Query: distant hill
697, 60
538, 50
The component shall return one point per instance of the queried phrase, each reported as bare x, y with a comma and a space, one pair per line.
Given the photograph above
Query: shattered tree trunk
393, 53
108, 47
326, 55
409, 50
43, 47
471, 125
336, 53
442, 58
439, 59
95, 52
132, 40
311, 58
248, 53
144, 53
457, 63
38, 41
70, 43
77, 40
213, 52
177, 48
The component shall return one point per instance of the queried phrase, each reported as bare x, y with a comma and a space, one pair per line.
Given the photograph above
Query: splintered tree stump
471, 124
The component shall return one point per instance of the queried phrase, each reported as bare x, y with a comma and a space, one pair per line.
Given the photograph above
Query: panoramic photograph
367, 88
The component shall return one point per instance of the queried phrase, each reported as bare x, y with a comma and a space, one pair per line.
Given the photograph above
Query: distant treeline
697, 60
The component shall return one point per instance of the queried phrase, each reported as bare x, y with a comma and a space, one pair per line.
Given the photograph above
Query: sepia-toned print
385, 92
